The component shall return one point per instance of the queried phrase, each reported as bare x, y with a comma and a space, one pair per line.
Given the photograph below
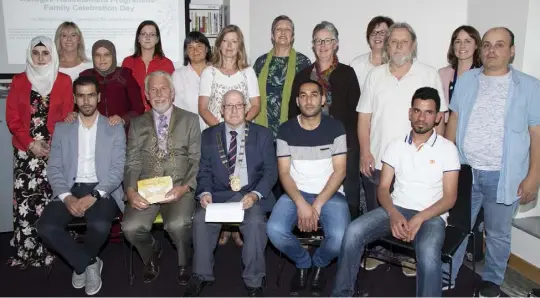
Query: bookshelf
208, 19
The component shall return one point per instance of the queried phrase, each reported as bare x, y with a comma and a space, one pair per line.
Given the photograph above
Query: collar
167, 113
431, 141
239, 129
82, 125
514, 73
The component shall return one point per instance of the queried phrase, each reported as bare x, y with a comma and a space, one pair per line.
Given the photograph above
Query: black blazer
345, 96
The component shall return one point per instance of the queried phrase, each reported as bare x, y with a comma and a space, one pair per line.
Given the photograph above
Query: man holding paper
85, 171
163, 145
238, 164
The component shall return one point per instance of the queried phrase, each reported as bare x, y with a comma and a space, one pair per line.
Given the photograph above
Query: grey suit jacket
110, 158
184, 150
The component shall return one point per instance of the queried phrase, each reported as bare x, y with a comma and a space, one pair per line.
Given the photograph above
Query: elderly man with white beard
384, 105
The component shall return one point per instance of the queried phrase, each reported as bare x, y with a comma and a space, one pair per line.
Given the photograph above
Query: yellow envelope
154, 189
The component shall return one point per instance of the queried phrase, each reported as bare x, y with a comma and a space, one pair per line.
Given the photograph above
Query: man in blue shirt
495, 122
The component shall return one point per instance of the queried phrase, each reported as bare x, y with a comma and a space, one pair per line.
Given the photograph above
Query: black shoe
195, 286
299, 281
318, 282
151, 269
183, 277
534, 293
255, 292
489, 289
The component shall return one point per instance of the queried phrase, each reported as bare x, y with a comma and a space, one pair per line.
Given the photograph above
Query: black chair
312, 239
458, 228
78, 224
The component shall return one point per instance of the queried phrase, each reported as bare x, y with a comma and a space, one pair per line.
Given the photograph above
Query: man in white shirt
426, 168
384, 104
85, 170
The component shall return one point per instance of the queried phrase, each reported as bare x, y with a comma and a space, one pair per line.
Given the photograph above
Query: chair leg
281, 265
131, 273
474, 264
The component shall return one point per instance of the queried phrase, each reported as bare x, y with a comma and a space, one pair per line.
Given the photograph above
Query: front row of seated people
235, 161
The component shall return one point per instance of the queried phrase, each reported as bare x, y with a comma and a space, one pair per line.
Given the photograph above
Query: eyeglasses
326, 41
379, 33
147, 35
239, 106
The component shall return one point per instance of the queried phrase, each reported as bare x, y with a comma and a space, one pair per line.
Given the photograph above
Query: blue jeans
334, 219
375, 225
497, 226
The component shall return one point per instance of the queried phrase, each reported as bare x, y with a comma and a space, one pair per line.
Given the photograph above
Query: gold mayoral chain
158, 156
234, 180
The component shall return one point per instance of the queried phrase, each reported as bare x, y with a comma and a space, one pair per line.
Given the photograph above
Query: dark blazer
261, 161
110, 158
18, 109
345, 96
183, 142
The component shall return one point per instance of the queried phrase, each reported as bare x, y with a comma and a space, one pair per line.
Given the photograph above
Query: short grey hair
399, 25
328, 26
277, 20
230, 92
158, 73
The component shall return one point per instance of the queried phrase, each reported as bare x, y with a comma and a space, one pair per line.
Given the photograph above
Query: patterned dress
31, 192
277, 71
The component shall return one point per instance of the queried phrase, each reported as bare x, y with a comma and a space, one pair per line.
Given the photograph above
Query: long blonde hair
241, 56
80, 48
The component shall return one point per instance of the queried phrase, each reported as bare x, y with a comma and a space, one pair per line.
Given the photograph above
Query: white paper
224, 212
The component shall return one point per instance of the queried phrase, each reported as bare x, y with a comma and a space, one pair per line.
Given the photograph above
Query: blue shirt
522, 110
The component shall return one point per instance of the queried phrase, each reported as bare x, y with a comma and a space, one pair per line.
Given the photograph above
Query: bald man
495, 123
238, 164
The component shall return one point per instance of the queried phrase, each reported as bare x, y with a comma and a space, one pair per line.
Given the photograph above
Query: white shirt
73, 72
215, 84
186, 83
388, 100
419, 171
362, 66
483, 142
86, 162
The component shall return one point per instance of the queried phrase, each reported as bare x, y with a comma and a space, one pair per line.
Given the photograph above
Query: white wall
433, 21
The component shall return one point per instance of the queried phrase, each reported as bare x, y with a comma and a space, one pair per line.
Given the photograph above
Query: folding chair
312, 239
78, 224
458, 228
131, 274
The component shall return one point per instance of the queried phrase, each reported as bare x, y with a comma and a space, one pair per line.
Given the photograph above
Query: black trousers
52, 224
352, 183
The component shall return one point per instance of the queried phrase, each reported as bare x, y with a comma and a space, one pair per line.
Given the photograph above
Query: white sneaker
78, 280
93, 277
446, 288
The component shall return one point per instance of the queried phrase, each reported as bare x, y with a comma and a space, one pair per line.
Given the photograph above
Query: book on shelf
207, 19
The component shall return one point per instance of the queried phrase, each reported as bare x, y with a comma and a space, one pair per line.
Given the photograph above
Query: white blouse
186, 89
215, 84
74, 71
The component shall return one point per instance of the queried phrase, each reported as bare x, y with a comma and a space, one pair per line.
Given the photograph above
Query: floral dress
277, 71
31, 192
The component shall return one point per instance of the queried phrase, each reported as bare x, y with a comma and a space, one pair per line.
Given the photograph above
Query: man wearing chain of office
238, 164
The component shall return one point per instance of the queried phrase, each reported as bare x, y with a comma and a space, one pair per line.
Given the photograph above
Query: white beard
400, 60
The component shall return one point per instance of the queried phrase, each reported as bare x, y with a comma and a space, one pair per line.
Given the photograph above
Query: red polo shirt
139, 71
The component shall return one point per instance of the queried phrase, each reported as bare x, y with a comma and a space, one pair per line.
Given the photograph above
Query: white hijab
42, 77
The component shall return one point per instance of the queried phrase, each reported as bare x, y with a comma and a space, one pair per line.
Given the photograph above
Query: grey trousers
253, 229
177, 218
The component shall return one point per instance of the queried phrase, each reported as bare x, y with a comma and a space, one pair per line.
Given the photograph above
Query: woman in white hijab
38, 98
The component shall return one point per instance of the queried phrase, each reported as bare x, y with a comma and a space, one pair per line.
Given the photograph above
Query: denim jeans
334, 219
497, 226
375, 225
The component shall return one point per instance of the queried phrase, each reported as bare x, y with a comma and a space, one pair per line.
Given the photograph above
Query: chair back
460, 214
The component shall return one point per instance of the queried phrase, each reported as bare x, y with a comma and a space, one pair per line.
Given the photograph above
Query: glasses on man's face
147, 35
326, 41
378, 33
239, 106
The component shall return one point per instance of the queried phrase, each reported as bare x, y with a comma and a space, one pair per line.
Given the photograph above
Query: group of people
360, 151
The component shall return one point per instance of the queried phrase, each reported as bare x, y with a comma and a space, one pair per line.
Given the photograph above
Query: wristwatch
96, 194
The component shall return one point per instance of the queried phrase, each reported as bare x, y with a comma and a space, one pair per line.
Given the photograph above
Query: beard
87, 110
422, 128
311, 112
400, 59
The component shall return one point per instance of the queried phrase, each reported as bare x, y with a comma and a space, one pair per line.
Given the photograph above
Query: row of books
209, 22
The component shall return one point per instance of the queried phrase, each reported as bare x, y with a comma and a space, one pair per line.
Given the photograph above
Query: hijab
42, 77
103, 43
